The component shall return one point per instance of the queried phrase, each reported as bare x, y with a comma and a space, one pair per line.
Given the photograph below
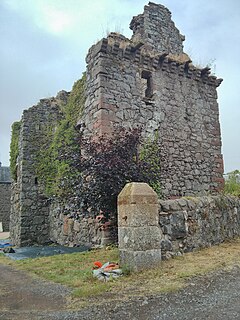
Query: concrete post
139, 233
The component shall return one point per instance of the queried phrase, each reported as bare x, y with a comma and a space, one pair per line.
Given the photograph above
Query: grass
75, 271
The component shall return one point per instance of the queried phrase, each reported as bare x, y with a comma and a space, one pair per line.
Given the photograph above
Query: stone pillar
139, 233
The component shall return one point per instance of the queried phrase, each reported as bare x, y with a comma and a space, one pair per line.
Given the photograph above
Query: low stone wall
161, 229
75, 229
193, 223
5, 195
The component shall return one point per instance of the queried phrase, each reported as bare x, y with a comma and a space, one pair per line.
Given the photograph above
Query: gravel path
212, 297
22, 296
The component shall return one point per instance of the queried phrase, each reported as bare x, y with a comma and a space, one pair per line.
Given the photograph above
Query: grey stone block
140, 260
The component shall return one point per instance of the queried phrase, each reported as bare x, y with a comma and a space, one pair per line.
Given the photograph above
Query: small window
147, 84
36, 181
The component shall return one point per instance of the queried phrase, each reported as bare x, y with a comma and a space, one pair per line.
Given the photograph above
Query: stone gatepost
139, 233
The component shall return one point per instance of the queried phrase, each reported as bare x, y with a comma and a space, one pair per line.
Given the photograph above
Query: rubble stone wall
131, 84
5, 195
76, 229
193, 223
29, 221
147, 82
156, 28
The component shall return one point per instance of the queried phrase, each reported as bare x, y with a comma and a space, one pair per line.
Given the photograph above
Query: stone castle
146, 81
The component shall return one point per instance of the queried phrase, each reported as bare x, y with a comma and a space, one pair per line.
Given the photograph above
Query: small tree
232, 184
107, 164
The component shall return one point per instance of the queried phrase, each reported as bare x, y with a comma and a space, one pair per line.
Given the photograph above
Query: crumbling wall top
156, 30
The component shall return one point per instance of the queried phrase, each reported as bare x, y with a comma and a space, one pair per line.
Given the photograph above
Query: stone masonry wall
5, 195
156, 29
193, 223
148, 82
130, 84
29, 221
73, 230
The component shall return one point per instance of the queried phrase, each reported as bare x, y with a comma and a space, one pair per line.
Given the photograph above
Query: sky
43, 44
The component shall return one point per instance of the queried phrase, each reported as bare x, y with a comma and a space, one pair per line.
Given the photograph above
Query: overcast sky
43, 44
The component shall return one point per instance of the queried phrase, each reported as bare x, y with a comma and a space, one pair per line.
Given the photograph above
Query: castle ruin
146, 81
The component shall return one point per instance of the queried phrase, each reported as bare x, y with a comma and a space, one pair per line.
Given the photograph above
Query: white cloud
56, 21
44, 43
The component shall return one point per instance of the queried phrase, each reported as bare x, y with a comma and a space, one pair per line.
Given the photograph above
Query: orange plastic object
98, 264
111, 266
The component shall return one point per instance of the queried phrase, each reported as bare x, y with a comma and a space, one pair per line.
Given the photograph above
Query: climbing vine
14, 149
92, 179
150, 154
56, 161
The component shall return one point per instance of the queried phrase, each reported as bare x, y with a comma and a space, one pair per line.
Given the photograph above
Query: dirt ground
211, 297
22, 296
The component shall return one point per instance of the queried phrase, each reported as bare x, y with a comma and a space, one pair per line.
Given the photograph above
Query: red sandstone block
219, 170
218, 179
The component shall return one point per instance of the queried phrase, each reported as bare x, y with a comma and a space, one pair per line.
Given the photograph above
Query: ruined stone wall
29, 221
130, 85
77, 229
156, 29
5, 194
193, 223
145, 82
36, 219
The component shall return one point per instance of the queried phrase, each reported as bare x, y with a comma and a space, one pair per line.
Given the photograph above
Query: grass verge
75, 271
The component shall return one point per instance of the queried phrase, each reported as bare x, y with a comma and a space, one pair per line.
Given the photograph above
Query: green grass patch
75, 271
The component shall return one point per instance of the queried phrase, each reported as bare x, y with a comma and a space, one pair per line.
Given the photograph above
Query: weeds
75, 271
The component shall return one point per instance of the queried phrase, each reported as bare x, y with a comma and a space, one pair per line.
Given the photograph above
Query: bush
107, 164
232, 184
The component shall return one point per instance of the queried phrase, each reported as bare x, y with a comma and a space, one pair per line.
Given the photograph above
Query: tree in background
232, 183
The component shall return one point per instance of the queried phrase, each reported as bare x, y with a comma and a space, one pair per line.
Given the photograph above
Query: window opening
147, 84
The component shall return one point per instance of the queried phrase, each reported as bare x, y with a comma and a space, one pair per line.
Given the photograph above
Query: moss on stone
14, 148
150, 152
60, 147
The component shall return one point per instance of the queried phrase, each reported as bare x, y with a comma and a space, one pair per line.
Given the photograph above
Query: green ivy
150, 153
14, 149
46, 162
60, 146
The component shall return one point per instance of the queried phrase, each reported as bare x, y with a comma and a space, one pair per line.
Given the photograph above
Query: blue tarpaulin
42, 251
5, 243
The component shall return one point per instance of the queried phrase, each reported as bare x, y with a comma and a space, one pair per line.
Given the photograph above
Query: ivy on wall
150, 153
56, 161
91, 180
14, 148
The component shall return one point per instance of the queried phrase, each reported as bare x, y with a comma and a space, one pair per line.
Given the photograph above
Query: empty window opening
36, 181
147, 84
